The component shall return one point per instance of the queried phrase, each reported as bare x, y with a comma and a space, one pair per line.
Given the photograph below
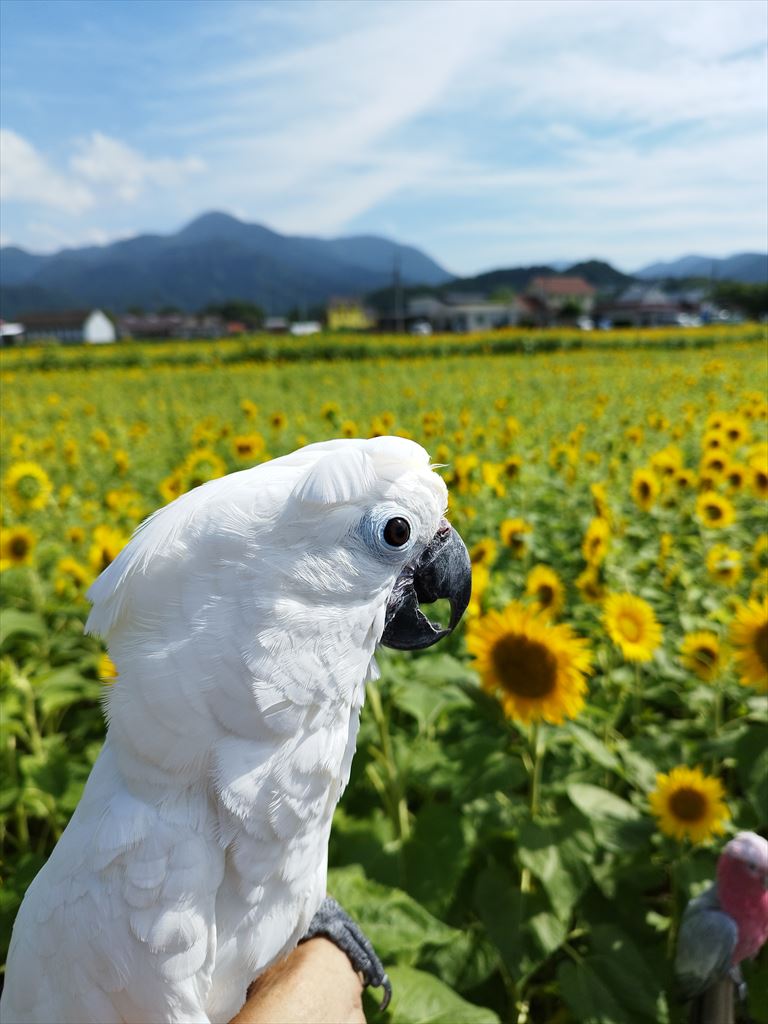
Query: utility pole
397, 293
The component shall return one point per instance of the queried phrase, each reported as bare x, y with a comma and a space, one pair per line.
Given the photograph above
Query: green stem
398, 803
638, 695
718, 711
674, 921
538, 749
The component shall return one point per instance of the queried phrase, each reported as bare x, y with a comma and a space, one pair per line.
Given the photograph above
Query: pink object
742, 888
728, 922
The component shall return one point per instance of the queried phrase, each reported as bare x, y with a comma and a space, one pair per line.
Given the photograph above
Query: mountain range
214, 258
747, 267
217, 258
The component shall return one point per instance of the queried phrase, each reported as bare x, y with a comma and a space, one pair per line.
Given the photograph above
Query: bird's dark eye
396, 532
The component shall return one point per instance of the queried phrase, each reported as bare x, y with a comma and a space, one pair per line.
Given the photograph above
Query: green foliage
749, 299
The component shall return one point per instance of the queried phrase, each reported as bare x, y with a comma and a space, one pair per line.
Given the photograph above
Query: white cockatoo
243, 620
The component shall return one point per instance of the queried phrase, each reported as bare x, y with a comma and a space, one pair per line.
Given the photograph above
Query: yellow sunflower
714, 463
736, 429
631, 624
514, 534
171, 487
749, 639
591, 585
278, 420
481, 577
100, 438
248, 446
107, 670
700, 653
760, 554
107, 545
71, 575
644, 488
537, 670
75, 534
546, 587
685, 480
349, 429
594, 547
724, 564
512, 466
666, 546
202, 465
689, 804
667, 461
484, 552
122, 462
599, 494
759, 479
714, 439
17, 544
714, 510
492, 477
28, 485
736, 476
70, 451
330, 411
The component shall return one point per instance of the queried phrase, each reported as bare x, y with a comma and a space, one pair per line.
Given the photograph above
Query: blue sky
487, 133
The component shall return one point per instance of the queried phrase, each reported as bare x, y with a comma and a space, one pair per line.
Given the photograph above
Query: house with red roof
558, 296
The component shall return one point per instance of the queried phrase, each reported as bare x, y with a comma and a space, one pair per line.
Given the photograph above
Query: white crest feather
340, 476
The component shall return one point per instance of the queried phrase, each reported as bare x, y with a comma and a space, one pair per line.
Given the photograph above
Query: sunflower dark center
761, 643
19, 547
688, 804
645, 489
706, 656
714, 512
524, 667
546, 594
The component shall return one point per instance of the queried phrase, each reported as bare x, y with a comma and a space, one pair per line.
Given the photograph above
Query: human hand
314, 984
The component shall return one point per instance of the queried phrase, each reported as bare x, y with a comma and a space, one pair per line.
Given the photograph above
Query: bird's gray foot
737, 978
333, 922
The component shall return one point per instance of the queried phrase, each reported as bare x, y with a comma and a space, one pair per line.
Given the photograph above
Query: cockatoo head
366, 519
744, 863
276, 583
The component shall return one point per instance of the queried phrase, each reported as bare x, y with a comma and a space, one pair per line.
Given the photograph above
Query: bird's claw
738, 980
333, 922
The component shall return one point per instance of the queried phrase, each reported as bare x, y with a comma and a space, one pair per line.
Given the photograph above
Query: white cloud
25, 176
580, 120
101, 169
117, 168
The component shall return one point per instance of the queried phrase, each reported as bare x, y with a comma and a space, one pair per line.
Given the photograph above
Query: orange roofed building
559, 295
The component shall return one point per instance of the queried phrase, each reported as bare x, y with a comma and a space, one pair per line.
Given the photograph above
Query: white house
457, 312
71, 325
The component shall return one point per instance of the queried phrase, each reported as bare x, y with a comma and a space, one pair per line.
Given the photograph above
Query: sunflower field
534, 800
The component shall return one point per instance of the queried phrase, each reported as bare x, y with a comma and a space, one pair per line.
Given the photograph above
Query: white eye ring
389, 530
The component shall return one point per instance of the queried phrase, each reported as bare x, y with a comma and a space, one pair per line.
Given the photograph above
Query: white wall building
72, 325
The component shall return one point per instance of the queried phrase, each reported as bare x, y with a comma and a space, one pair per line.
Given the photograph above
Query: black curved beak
442, 571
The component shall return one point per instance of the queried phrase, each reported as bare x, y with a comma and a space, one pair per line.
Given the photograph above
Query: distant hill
213, 259
600, 275
747, 267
